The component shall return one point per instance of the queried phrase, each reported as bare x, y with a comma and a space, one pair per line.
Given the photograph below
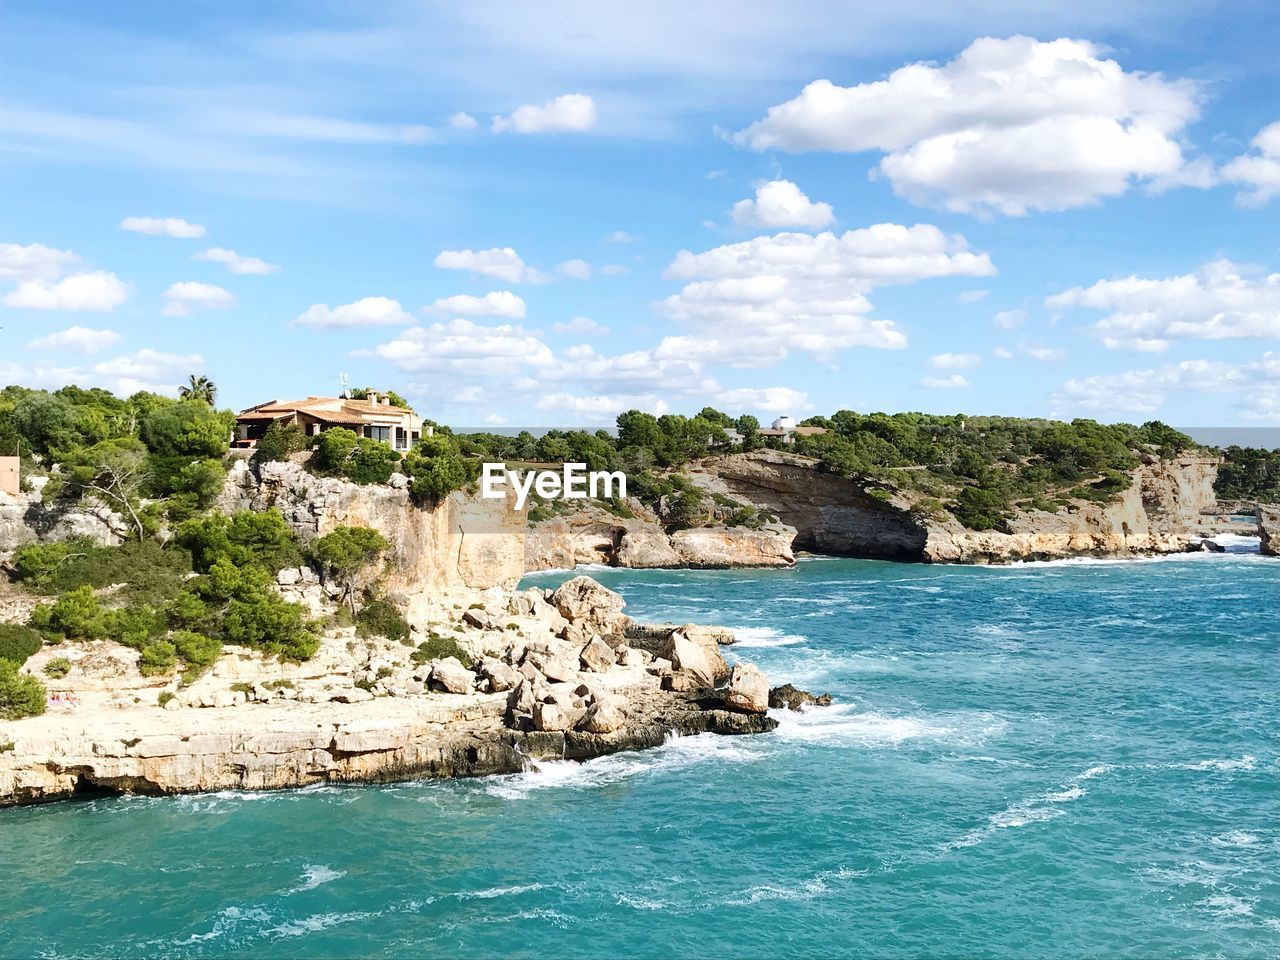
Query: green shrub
436, 647
165, 697
271, 623
17, 642
246, 539
21, 695
980, 509
242, 687
57, 668
190, 428
279, 442
346, 551
380, 618
135, 625
76, 615
157, 658
149, 571
340, 452
196, 650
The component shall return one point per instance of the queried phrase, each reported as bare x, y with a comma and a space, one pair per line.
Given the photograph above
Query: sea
1040, 760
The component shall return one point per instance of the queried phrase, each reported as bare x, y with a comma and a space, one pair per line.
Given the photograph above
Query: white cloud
467, 347
501, 262
1222, 300
571, 112
953, 382
1008, 319
619, 236
764, 399
780, 203
752, 303
1258, 172
187, 295
498, 303
144, 370
954, 361
582, 325
1143, 392
1002, 353
463, 121
576, 269
614, 270
77, 339
600, 409
163, 227
1009, 125
1044, 354
33, 261
235, 262
972, 296
365, 312
97, 292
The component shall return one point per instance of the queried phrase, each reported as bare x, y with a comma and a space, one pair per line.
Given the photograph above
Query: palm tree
199, 388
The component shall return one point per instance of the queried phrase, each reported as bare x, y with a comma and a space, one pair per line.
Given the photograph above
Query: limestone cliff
590, 534
1159, 513
462, 543
1269, 528
25, 518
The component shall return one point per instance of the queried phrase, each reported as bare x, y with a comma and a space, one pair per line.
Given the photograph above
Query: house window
382, 434
400, 438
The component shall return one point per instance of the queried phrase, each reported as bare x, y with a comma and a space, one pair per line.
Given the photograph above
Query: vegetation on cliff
1248, 473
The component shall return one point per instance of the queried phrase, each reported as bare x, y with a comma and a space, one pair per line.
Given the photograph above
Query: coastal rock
597, 656
501, 676
694, 659
793, 698
604, 716
1269, 529
555, 716
590, 606
451, 676
1211, 546
747, 690
719, 547
646, 547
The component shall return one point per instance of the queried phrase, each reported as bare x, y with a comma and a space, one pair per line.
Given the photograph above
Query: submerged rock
793, 698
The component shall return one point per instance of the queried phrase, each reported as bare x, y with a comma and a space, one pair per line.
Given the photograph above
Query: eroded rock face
1269, 528
26, 519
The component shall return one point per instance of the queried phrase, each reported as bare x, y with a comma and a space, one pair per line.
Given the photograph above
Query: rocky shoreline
550, 675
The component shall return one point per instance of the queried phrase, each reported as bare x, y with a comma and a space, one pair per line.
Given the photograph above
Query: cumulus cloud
163, 227
498, 303
576, 269
780, 203
463, 121
619, 236
1008, 319
953, 382
1258, 172
954, 361
1256, 383
584, 326
189, 295
752, 303
571, 112
972, 296
34, 261
1222, 300
1044, 354
235, 262
77, 340
97, 292
365, 312
1009, 125
144, 370
501, 262
764, 399
464, 346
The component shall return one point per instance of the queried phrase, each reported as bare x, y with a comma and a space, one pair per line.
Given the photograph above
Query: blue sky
523, 214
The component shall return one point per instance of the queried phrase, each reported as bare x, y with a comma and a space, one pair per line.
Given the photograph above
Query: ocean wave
1246, 763
315, 923
764, 637
315, 875
800, 890
678, 752
841, 725
1036, 809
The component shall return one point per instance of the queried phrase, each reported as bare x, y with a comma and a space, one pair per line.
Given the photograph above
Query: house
10, 476
373, 417
785, 429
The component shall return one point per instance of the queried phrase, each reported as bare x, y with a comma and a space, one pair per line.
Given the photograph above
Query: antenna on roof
342, 379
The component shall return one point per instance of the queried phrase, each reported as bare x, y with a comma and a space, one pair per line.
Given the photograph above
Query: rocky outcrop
463, 542
1159, 513
592, 535
793, 698
830, 514
25, 519
1269, 528
524, 687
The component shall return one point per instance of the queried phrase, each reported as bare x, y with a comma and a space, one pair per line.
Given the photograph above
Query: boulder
646, 547
590, 606
1269, 529
521, 699
1211, 546
555, 716
793, 698
747, 690
704, 665
557, 667
451, 676
597, 656
604, 716
501, 676
709, 636
479, 618
289, 576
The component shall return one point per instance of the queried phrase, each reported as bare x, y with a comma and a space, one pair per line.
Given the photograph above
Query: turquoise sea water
1044, 760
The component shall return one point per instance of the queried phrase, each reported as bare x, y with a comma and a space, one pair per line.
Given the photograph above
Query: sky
543, 214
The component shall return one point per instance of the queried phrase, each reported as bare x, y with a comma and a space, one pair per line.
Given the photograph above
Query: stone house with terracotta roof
374, 417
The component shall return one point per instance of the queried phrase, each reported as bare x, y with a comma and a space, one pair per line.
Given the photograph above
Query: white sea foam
764, 637
1037, 809
843, 725
1225, 905
1235, 838
1245, 763
492, 893
315, 923
315, 875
